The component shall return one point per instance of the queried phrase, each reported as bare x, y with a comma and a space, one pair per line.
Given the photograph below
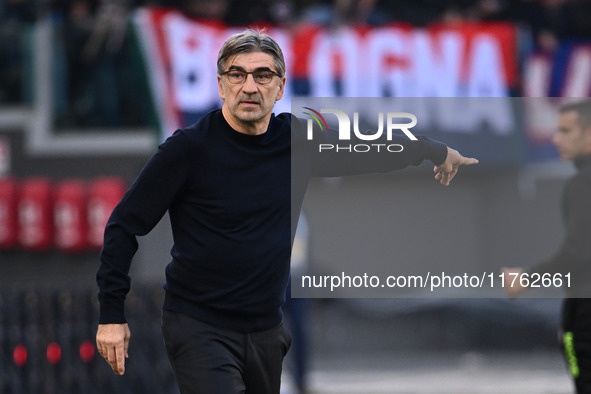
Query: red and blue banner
468, 60
464, 60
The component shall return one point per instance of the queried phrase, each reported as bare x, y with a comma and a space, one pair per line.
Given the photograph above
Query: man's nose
249, 84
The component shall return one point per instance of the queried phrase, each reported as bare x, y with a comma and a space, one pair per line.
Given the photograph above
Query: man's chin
566, 157
249, 116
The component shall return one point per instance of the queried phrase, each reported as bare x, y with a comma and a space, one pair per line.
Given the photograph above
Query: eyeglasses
261, 77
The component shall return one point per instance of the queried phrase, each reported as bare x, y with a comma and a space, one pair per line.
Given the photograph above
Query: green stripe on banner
145, 96
571, 356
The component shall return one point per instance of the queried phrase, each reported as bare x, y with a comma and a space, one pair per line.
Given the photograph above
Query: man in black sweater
227, 185
573, 258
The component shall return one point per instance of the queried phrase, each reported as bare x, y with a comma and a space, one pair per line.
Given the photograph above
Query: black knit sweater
230, 198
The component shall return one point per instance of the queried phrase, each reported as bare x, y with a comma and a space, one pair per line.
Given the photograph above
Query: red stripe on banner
475, 59
302, 46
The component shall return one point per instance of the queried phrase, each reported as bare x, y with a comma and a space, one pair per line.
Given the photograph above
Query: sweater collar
252, 139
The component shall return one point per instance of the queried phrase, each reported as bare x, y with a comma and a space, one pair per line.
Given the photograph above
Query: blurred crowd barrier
40, 214
47, 343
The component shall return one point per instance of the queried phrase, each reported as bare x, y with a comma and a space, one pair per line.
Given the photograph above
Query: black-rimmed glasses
261, 77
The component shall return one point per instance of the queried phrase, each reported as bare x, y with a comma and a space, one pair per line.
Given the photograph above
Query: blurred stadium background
89, 88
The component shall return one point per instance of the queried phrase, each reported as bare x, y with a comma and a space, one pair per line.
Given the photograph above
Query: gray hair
248, 41
582, 108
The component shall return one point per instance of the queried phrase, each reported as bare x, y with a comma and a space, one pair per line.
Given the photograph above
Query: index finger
120, 359
469, 161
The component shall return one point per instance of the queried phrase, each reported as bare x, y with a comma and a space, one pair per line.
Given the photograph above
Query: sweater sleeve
138, 212
328, 156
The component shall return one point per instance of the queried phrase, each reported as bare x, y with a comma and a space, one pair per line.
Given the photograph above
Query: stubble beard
250, 116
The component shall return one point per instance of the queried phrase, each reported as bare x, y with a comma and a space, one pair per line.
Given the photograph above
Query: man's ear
221, 88
281, 89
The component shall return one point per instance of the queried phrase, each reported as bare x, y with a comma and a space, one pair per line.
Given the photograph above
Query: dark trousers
209, 360
576, 327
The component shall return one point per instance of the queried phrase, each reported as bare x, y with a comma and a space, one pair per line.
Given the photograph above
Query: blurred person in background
16, 17
101, 83
259, 12
211, 10
227, 184
297, 310
78, 27
336, 13
573, 142
104, 50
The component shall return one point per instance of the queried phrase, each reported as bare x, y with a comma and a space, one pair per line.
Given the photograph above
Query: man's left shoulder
287, 121
282, 120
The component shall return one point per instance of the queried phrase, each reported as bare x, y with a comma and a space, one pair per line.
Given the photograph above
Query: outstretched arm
446, 171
